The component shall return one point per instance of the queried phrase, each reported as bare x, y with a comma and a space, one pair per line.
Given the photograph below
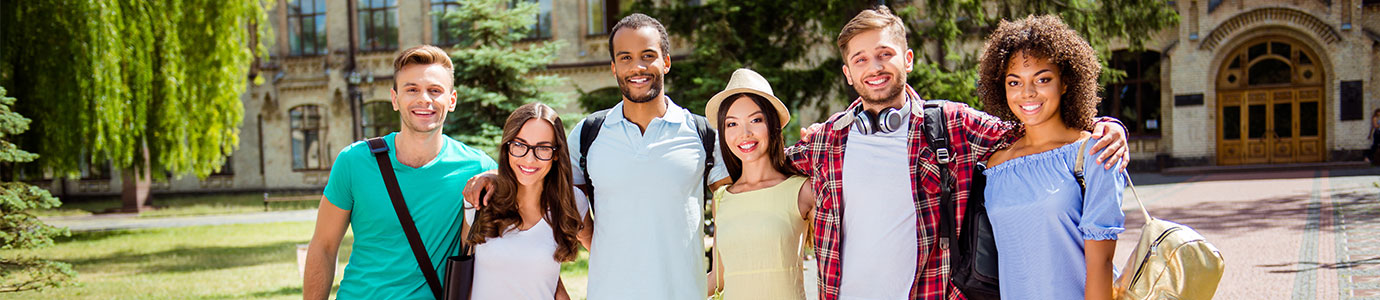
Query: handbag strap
390, 180
1078, 174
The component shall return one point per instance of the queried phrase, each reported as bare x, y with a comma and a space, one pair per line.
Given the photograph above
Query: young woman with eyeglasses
529, 226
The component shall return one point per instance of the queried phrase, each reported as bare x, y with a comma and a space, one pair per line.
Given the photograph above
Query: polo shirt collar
674, 113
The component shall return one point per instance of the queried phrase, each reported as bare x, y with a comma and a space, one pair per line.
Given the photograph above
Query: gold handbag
1171, 261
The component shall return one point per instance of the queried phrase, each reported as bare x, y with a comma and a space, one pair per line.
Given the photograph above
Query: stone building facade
1242, 82
1236, 82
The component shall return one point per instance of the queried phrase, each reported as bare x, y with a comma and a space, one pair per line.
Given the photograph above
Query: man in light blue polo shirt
647, 169
431, 169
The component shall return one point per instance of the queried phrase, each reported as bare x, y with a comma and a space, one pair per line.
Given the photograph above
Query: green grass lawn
245, 261
188, 205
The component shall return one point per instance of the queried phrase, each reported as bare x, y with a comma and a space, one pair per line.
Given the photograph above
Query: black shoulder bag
459, 269
973, 261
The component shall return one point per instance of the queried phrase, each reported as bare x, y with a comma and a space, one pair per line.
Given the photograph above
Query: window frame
536, 33
296, 12
226, 169
1113, 104
609, 11
367, 32
301, 125
368, 120
439, 27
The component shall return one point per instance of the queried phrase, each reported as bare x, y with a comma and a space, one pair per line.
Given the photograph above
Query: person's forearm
560, 290
586, 234
1099, 263
320, 273
1099, 285
713, 283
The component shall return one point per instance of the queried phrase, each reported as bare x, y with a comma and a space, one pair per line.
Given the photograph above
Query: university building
1236, 82
1242, 82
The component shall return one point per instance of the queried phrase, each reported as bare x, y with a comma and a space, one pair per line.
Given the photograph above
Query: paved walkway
1302, 234
104, 222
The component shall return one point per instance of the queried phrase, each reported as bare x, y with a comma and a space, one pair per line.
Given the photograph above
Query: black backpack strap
707, 138
589, 130
936, 131
390, 180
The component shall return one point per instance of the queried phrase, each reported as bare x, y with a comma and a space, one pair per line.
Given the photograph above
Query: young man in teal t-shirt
431, 169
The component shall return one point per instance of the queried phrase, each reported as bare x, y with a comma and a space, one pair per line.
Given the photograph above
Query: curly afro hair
1046, 37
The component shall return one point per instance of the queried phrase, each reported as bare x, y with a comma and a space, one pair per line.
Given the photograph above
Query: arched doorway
1269, 104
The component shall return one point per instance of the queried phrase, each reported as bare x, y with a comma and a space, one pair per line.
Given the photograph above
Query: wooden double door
1270, 125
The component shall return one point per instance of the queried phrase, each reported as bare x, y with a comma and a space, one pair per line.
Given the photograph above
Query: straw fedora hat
745, 81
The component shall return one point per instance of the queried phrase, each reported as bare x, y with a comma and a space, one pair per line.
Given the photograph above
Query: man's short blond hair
879, 17
422, 55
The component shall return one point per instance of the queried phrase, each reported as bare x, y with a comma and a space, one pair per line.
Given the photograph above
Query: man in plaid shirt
893, 196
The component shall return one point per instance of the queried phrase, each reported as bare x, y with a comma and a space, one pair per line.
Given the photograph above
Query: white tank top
519, 265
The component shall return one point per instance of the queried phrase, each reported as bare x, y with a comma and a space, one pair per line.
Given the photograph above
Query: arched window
379, 119
1269, 62
1135, 100
308, 149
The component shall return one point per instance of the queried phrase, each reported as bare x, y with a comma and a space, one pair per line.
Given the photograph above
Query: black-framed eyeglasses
520, 149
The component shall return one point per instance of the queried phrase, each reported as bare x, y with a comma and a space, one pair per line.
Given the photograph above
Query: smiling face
423, 96
746, 130
1033, 89
537, 139
639, 63
876, 65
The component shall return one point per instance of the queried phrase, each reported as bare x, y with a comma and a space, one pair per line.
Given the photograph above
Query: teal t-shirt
382, 265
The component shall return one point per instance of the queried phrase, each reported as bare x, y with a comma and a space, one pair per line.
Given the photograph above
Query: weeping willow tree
150, 87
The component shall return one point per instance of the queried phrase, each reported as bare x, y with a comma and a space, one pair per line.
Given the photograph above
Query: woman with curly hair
1055, 235
530, 225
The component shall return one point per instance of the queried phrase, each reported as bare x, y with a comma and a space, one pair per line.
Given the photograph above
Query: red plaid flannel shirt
974, 135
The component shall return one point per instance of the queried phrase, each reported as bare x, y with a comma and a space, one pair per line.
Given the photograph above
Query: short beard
652, 93
897, 86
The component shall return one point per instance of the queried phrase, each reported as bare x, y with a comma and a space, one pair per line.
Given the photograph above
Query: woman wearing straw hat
761, 217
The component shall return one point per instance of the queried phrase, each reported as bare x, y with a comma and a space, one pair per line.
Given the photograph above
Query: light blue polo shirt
382, 265
648, 237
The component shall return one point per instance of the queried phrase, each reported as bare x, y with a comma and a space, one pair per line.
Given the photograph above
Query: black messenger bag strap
380, 149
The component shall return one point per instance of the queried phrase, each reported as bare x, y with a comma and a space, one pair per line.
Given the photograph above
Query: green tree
494, 69
952, 74
781, 40
18, 228
151, 87
778, 39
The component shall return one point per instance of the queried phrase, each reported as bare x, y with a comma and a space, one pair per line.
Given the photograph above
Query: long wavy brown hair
557, 196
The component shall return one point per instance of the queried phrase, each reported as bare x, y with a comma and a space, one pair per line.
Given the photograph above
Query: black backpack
973, 260
590, 131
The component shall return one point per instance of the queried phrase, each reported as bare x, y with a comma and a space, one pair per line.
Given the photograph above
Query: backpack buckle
942, 154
